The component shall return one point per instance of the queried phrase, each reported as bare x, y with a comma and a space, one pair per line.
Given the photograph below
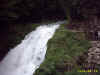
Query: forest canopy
37, 10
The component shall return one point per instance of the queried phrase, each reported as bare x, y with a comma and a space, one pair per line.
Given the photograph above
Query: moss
63, 48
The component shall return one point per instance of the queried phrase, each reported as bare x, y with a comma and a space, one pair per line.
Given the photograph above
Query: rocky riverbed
94, 53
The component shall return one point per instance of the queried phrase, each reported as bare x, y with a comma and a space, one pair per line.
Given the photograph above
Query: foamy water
26, 57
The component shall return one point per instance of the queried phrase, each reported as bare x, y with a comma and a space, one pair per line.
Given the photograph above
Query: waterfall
27, 56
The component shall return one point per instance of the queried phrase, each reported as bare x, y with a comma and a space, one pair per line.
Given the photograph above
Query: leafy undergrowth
62, 52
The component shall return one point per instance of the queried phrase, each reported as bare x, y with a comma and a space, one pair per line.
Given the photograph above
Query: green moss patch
62, 49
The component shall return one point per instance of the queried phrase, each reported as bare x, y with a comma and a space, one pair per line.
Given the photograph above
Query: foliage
63, 48
30, 10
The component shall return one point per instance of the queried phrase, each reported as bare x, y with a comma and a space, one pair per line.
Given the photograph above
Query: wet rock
94, 53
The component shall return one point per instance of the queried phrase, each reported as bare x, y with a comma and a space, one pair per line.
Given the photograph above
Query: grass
63, 48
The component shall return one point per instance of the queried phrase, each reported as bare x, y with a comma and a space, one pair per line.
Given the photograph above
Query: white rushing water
26, 57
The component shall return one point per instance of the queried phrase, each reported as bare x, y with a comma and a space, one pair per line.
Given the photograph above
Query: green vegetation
63, 48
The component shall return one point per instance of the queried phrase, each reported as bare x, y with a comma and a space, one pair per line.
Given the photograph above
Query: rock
98, 45
94, 53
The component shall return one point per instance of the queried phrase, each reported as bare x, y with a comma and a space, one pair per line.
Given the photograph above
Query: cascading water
26, 57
